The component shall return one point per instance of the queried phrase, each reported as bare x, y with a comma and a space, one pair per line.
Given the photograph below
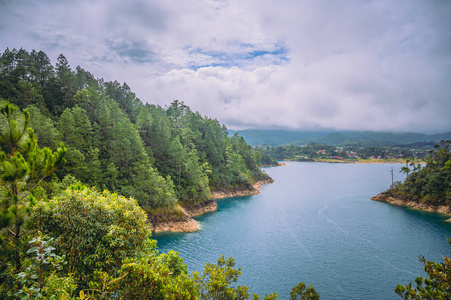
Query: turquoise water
316, 224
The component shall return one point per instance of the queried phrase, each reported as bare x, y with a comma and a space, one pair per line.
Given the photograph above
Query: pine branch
12, 232
25, 127
5, 187
11, 134
29, 191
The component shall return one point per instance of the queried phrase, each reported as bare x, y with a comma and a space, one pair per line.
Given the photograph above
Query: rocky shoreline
383, 197
345, 161
247, 192
188, 224
275, 165
202, 208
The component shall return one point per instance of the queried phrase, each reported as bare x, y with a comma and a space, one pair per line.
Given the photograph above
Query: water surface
316, 224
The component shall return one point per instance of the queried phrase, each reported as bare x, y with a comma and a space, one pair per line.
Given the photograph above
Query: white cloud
361, 65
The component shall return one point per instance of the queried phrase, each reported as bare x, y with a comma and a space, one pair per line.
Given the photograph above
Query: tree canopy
60, 237
160, 156
430, 184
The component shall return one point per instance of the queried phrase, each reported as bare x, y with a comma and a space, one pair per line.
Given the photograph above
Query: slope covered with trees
264, 137
60, 239
163, 157
428, 186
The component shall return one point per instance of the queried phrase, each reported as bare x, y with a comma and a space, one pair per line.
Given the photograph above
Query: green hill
160, 156
260, 137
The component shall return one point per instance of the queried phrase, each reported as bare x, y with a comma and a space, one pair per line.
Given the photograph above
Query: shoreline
446, 210
187, 224
360, 161
191, 225
279, 164
242, 192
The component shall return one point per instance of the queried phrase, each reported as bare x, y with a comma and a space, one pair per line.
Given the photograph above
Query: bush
95, 230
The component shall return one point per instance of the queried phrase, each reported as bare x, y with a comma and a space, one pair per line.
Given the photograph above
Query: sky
287, 64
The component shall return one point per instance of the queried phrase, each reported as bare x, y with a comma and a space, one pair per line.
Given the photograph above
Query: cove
316, 224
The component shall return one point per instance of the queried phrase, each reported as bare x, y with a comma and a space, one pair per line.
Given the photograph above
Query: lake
317, 224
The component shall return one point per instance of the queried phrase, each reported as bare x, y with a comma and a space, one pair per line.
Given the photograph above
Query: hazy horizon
331, 130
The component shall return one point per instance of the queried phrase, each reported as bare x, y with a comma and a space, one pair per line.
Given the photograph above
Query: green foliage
155, 155
76, 129
302, 292
95, 231
430, 184
272, 296
126, 99
411, 166
159, 277
228, 161
145, 278
217, 280
45, 129
122, 148
436, 286
40, 279
105, 238
174, 154
23, 166
82, 158
23, 75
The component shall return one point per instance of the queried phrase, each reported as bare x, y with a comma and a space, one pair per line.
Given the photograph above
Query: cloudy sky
343, 65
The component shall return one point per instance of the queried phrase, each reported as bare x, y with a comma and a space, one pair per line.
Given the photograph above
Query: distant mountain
392, 138
441, 136
335, 138
259, 137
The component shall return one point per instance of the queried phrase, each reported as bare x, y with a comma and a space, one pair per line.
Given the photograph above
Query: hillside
164, 157
260, 137
426, 187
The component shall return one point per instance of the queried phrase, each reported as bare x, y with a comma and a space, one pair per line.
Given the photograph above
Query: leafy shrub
95, 230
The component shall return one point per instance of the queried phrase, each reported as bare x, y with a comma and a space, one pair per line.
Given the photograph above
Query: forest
160, 156
429, 184
84, 164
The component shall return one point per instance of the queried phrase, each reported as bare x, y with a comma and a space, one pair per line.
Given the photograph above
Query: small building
351, 154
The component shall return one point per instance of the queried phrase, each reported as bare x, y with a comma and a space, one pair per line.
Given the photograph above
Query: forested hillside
429, 185
71, 148
262, 137
159, 155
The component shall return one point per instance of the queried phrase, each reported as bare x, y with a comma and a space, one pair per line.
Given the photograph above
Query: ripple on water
316, 224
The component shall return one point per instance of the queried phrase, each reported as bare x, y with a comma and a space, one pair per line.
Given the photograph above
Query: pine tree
23, 165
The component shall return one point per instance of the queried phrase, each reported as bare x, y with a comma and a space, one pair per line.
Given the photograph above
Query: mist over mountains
260, 137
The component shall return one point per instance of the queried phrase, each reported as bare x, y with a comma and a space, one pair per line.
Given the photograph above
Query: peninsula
389, 198
427, 187
186, 223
